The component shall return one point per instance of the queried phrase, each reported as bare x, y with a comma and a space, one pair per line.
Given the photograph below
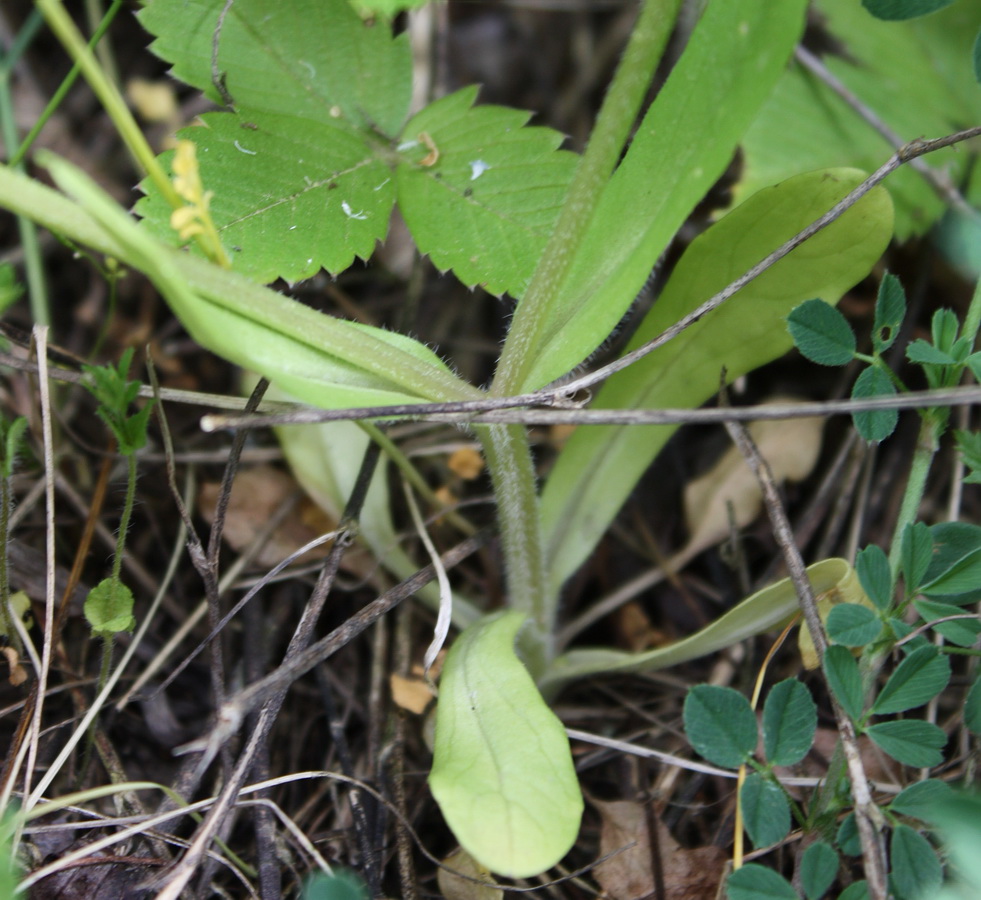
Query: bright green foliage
917, 553
922, 799
821, 333
874, 425
740, 336
909, 741
903, 9
916, 871
766, 813
115, 393
754, 882
844, 679
502, 772
11, 435
852, 625
976, 57
720, 724
818, 870
387, 8
915, 76
916, 680
789, 722
890, 310
109, 608
872, 566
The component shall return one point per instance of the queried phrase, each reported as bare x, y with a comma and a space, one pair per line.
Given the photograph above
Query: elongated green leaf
502, 771
486, 204
766, 813
743, 334
872, 566
818, 870
761, 612
821, 333
853, 625
972, 708
903, 9
845, 682
954, 546
874, 425
847, 837
917, 679
963, 632
789, 722
916, 871
720, 724
755, 882
858, 890
684, 143
917, 552
964, 575
910, 741
922, 799
890, 310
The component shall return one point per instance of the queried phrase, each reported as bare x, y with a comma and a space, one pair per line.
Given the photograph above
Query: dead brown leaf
455, 888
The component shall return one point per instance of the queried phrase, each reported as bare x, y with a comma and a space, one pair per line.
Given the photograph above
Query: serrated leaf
890, 310
874, 425
916, 871
755, 882
922, 799
844, 679
916, 554
917, 679
766, 814
720, 724
740, 336
910, 741
962, 632
972, 708
109, 608
818, 870
853, 625
872, 566
502, 770
895, 10
821, 333
486, 203
789, 722
924, 353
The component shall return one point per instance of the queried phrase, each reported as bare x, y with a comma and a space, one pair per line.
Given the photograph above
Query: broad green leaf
502, 771
874, 425
917, 679
789, 722
972, 707
916, 554
916, 871
720, 724
910, 741
818, 870
766, 814
821, 333
109, 608
764, 610
872, 566
963, 632
740, 336
890, 310
684, 143
844, 679
916, 76
903, 9
756, 882
853, 625
922, 799
487, 203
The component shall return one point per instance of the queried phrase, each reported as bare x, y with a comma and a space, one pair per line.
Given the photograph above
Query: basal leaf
720, 724
821, 333
743, 334
789, 722
502, 771
910, 741
766, 814
818, 870
485, 197
877, 424
916, 871
685, 142
917, 679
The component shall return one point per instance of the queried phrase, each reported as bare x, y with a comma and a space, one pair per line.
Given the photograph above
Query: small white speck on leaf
350, 213
477, 168
242, 149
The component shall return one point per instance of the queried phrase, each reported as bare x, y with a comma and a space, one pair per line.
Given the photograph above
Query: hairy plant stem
5, 622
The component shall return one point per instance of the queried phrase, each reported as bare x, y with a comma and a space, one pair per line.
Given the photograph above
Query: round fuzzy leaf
875, 425
841, 670
755, 882
917, 679
872, 566
720, 725
789, 721
821, 333
922, 799
896, 10
502, 770
853, 625
910, 741
479, 191
766, 814
109, 608
818, 870
916, 871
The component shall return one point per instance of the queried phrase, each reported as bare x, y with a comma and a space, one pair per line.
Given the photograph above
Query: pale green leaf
743, 334
485, 202
109, 608
502, 770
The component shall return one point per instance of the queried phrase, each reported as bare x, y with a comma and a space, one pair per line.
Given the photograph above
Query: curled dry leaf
453, 887
18, 675
688, 874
